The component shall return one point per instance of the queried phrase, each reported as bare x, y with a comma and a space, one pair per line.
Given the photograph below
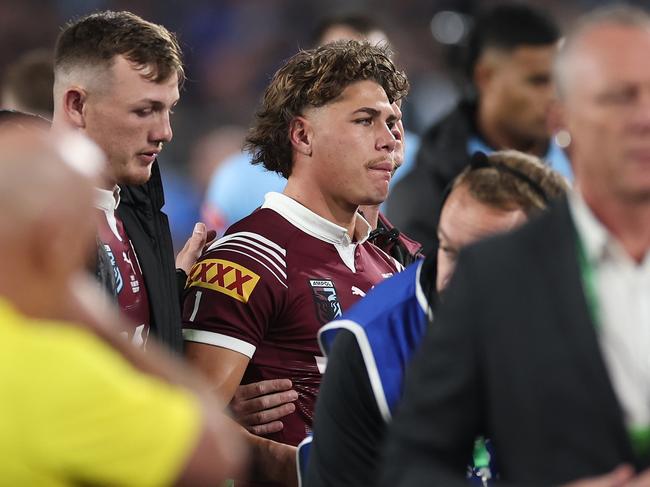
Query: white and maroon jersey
129, 282
267, 286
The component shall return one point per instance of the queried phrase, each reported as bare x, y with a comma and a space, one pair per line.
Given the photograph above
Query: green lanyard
588, 275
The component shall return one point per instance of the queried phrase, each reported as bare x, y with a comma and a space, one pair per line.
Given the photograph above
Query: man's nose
163, 130
386, 139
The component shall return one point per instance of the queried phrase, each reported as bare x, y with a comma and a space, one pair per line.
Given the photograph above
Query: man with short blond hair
117, 79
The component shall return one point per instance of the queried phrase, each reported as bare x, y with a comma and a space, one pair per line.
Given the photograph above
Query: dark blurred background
232, 48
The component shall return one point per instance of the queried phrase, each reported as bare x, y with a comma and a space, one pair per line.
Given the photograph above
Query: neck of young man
626, 218
324, 205
371, 214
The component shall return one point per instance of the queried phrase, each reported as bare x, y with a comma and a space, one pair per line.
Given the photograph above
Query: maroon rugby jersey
129, 282
267, 286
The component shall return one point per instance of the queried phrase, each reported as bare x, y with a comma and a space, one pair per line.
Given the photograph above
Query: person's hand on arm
260, 406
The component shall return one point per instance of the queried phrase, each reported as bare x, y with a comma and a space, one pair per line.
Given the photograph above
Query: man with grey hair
542, 342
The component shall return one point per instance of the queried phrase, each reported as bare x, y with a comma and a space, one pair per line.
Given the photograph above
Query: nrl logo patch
225, 277
326, 300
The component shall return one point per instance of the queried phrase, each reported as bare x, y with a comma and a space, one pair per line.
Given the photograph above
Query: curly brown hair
313, 78
97, 38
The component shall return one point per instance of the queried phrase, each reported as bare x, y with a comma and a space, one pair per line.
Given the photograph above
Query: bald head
46, 214
34, 179
604, 82
570, 61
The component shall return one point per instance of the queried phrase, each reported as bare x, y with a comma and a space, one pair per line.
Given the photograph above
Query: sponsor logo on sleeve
119, 283
225, 277
326, 300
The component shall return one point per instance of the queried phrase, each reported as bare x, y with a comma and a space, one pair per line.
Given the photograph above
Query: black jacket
515, 356
414, 203
147, 226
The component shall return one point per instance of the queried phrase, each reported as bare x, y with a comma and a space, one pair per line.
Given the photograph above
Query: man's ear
74, 101
300, 135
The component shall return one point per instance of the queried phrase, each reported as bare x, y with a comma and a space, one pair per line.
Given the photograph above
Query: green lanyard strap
639, 436
588, 275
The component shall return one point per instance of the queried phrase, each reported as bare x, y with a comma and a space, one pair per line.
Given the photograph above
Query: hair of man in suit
315, 78
28, 82
495, 196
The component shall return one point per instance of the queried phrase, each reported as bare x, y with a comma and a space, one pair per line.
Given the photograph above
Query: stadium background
232, 47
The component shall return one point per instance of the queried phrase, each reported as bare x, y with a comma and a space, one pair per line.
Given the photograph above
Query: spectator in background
510, 55
370, 347
27, 84
541, 342
74, 411
117, 79
257, 297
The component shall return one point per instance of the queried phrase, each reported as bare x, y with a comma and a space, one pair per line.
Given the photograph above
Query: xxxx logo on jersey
225, 277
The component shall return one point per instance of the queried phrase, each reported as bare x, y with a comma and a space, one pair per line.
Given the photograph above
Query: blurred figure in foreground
74, 409
541, 343
27, 84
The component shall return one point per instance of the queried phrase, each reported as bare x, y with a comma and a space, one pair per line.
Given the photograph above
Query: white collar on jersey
313, 224
106, 199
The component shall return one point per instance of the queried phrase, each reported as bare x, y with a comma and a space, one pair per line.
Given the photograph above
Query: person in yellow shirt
78, 406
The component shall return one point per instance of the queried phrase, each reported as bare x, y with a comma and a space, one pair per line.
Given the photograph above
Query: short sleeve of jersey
235, 290
81, 414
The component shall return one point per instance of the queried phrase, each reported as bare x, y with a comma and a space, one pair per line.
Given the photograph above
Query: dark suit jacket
513, 354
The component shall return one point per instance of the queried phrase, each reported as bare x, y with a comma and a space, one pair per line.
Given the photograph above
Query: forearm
271, 461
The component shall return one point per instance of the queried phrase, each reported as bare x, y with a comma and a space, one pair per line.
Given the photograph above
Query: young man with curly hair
256, 299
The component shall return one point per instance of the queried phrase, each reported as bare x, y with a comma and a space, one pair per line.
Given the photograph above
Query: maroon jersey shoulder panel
297, 284
238, 286
320, 288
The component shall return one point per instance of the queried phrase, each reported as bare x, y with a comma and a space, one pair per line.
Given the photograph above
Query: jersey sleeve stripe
280, 259
259, 238
219, 340
261, 263
227, 245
